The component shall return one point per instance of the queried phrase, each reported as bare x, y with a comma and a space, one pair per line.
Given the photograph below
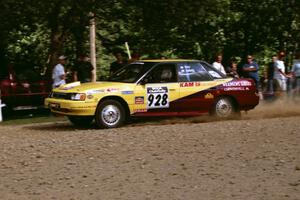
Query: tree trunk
58, 36
57, 41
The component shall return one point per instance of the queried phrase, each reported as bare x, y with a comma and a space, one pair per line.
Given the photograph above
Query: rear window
192, 72
212, 71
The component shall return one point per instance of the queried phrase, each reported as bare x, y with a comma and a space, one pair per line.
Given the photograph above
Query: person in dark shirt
83, 70
232, 70
118, 64
270, 75
250, 70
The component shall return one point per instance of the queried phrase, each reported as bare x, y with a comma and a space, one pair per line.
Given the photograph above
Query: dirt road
256, 158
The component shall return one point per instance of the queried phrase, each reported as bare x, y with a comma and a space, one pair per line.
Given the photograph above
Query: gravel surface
255, 158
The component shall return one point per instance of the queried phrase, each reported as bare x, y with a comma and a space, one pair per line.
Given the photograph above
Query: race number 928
157, 97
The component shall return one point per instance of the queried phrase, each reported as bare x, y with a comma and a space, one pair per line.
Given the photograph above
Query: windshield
131, 73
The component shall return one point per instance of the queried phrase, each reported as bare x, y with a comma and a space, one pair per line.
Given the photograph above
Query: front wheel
225, 108
110, 114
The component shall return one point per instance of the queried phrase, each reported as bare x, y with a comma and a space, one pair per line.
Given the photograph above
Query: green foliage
28, 45
38, 31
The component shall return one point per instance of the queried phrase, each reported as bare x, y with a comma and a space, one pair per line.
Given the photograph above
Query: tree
174, 28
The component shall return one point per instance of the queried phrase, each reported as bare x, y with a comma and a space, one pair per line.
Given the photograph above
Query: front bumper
71, 108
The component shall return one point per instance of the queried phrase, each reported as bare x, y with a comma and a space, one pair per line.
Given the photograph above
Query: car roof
167, 60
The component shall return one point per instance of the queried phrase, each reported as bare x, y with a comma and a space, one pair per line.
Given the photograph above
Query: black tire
224, 107
110, 114
81, 121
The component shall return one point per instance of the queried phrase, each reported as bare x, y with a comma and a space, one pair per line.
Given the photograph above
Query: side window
163, 73
212, 71
191, 72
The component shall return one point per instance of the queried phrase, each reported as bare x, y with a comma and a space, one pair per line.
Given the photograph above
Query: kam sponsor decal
196, 84
139, 100
190, 84
157, 97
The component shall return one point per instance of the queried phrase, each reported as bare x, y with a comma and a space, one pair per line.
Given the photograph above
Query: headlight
78, 97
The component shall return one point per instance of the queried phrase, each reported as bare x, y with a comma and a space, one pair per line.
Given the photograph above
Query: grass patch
30, 117
32, 120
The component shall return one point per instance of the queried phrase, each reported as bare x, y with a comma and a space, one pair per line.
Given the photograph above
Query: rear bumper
248, 102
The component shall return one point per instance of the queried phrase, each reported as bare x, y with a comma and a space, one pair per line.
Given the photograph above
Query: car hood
97, 87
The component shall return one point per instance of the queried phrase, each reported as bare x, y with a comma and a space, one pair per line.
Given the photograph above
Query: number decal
150, 100
158, 97
157, 102
164, 99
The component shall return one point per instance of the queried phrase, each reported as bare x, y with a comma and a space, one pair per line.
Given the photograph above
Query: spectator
296, 73
119, 63
279, 73
218, 63
250, 70
134, 57
83, 70
58, 73
232, 70
270, 75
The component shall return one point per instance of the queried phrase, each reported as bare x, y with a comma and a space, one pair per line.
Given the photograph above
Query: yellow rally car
154, 88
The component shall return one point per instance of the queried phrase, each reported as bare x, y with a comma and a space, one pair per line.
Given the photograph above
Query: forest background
34, 33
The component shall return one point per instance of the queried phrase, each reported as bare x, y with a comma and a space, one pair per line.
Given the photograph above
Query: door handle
172, 89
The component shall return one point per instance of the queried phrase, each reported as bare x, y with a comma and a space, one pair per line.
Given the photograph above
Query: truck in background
22, 87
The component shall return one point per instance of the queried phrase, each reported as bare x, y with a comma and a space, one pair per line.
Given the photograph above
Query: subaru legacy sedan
154, 88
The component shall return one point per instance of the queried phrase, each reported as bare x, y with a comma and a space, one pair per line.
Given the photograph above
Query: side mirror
144, 81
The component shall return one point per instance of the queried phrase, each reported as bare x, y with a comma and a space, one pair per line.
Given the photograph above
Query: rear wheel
110, 114
225, 108
81, 121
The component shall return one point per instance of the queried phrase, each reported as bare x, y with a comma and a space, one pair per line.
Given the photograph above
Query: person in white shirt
279, 72
58, 73
218, 63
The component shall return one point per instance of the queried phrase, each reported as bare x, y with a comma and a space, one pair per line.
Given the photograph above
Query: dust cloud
283, 107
